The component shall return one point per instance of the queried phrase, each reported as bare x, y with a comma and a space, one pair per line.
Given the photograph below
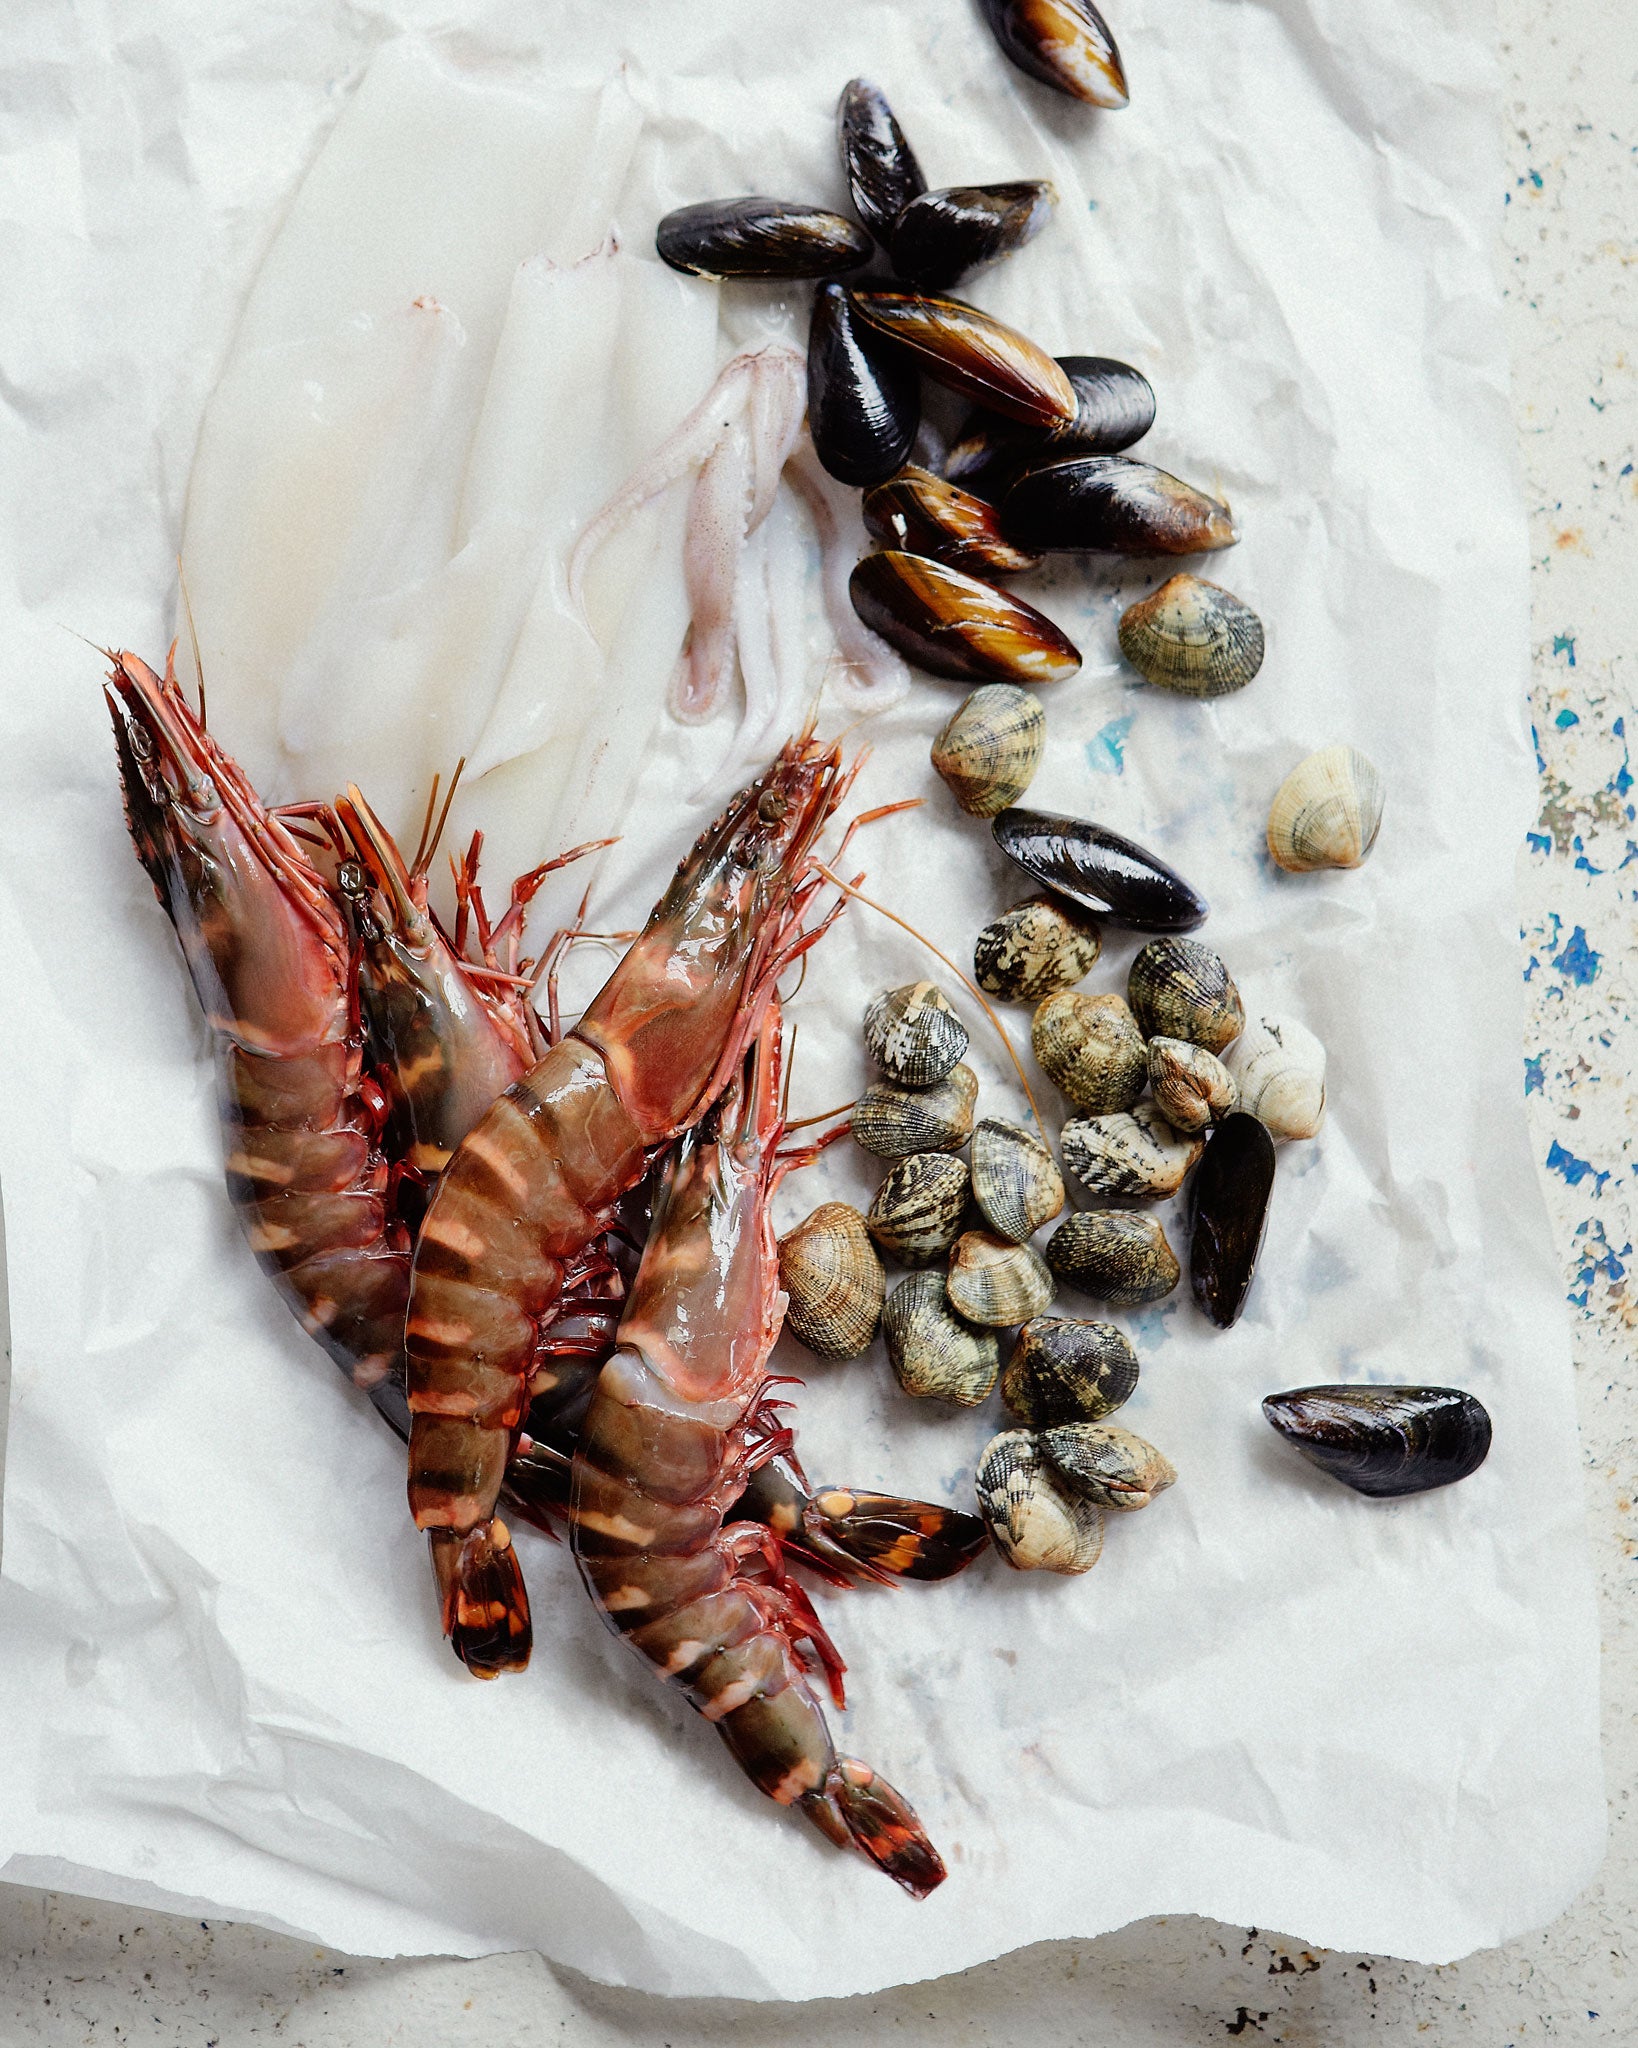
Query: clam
1279, 1068
863, 401
953, 625
882, 173
756, 237
913, 1034
893, 1122
1192, 1087
990, 748
1116, 1255
969, 351
1385, 1441
1230, 1213
1111, 504
1064, 43
1099, 871
1033, 950
1193, 636
1135, 1153
924, 515
1179, 988
1067, 1371
1036, 1522
933, 1352
917, 1213
1107, 1465
1091, 1048
1327, 812
833, 1280
996, 1283
942, 235
1016, 1182
1114, 406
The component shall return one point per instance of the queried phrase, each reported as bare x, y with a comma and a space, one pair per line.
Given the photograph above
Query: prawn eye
350, 878
771, 806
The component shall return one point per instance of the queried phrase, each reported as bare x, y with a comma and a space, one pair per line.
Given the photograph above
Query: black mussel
942, 235
921, 512
1064, 43
864, 400
1099, 871
955, 626
969, 351
1114, 406
1231, 1191
1112, 504
882, 173
1385, 1441
757, 237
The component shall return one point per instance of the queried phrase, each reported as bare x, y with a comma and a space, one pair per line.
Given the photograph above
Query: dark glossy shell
882, 173
1064, 43
1179, 988
1099, 871
864, 400
1230, 1213
991, 747
1116, 1255
942, 235
953, 625
1033, 950
756, 237
1111, 504
1114, 406
969, 351
920, 512
1062, 1370
1385, 1441
892, 1122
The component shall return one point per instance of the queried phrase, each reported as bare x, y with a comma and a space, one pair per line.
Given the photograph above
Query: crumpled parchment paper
1367, 1725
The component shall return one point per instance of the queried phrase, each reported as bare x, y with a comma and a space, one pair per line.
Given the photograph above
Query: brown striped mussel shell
1114, 406
991, 747
1091, 1047
757, 237
955, 626
918, 1210
958, 346
1065, 44
893, 1122
1111, 504
923, 515
833, 1281
1033, 950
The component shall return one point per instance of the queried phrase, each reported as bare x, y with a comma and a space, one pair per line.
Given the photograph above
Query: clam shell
1036, 1521
1192, 1087
1099, 871
1135, 1154
1385, 1441
1193, 636
757, 237
1016, 1182
863, 401
1230, 1213
882, 173
893, 1122
1091, 1047
913, 1034
996, 1283
1179, 988
991, 747
970, 351
1064, 43
917, 1213
1116, 1255
833, 1280
1063, 1370
1033, 950
1279, 1068
955, 625
942, 235
1327, 812
1107, 1465
1114, 406
923, 515
1111, 504
934, 1354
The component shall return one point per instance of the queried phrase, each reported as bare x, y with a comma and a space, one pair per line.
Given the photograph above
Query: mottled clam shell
942, 235
864, 402
917, 1213
1112, 504
1033, 950
1179, 988
757, 237
1193, 636
1035, 1520
1278, 1067
1327, 812
1016, 1182
1229, 1216
893, 1122
1192, 1087
1063, 1370
958, 346
957, 626
1114, 406
882, 173
996, 1283
1099, 871
913, 1034
1116, 1255
1091, 1048
924, 515
990, 748
935, 1354
833, 1280
1385, 1441
1107, 1465
1135, 1154
1064, 43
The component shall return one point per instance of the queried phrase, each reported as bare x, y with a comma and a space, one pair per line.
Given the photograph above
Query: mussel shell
1064, 43
1116, 1255
934, 1354
990, 748
954, 626
1099, 871
917, 1213
757, 237
924, 515
1327, 812
1033, 950
1192, 1087
1107, 1465
1133, 1153
833, 1281
1015, 1179
1229, 1216
1112, 504
1063, 1370
1179, 988
882, 173
913, 1034
969, 351
996, 1283
1090, 1048
1035, 1520
1193, 636
893, 1122
942, 235
864, 400
1114, 406
1385, 1441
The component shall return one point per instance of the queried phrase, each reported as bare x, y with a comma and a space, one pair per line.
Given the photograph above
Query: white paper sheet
1370, 1726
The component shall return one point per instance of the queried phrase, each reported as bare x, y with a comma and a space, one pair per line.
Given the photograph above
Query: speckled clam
893, 1122
917, 1213
1278, 1066
1016, 1182
833, 1280
1385, 1441
1192, 1087
1034, 950
1091, 1047
990, 749
958, 626
1179, 988
913, 1034
1193, 636
1327, 812
1107, 1465
1116, 1255
1065, 1370
996, 1283
1037, 1522
933, 1352
1134, 1153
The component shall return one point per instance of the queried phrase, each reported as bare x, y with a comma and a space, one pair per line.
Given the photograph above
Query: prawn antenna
193, 638
425, 846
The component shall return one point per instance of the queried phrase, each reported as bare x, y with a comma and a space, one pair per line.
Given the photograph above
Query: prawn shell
916, 1216
991, 747
1230, 1214
913, 1034
1033, 950
955, 626
924, 515
940, 236
1066, 1370
1065, 44
1194, 637
1112, 504
1116, 1255
833, 1281
893, 1122
1035, 1520
995, 1282
933, 1353
1099, 871
883, 175
958, 346
864, 401
755, 237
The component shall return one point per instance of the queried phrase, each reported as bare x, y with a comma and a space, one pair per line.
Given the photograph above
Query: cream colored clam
1036, 1521
1327, 811
996, 1283
1192, 1087
989, 751
1279, 1068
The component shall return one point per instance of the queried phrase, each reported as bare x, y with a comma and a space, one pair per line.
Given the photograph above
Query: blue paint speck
1596, 1256
1532, 1075
1574, 1170
1537, 180
1564, 643
1106, 754
1578, 962
1566, 719
1540, 842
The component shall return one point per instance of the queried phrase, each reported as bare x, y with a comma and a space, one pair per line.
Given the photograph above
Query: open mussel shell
1327, 812
1092, 1049
1385, 1441
968, 351
893, 1122
917, 1213
833, 1281
1062, 1370
913, 1033
1037, 1522
934, 1354
995, 1282
1111, 504
1033, 950
1107, 1465
990, 748
756, 237
1016, 1182
1099, 871
1135, 1153
942, 235
1114, 406
1192, 1087
1116, 1255
1230, 1213
1064, 43
864, 401
882, 173
924, 515
1179, 988
1278, 1066
1193, 636
954, 626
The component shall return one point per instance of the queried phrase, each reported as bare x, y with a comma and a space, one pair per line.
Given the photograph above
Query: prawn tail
856, 1806
879, 1536
481, 1593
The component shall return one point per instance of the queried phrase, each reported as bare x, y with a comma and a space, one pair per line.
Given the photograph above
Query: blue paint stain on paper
1578, 962
1564, 643
1596, 1258
1565, 720
1106, 753
1574, 1170
1533, 1081
1540, 842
